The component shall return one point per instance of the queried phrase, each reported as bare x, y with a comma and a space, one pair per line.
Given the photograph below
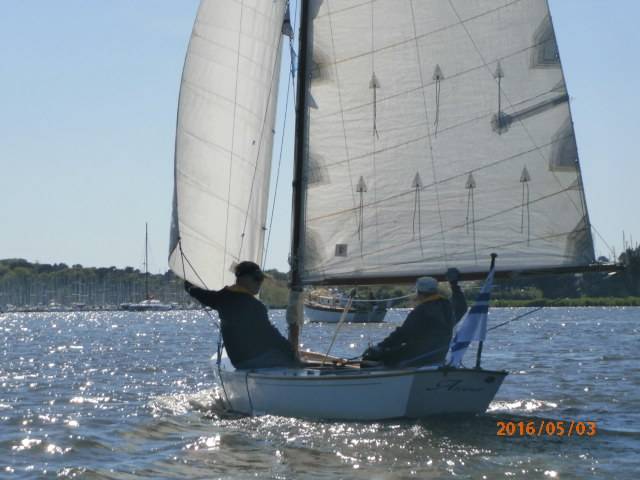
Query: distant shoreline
570, 302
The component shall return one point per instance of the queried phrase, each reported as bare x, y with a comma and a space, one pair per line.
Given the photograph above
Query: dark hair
249, 268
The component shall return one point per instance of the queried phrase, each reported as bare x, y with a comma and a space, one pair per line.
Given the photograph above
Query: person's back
249, 337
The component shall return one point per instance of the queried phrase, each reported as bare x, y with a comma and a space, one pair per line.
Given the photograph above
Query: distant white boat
145, 305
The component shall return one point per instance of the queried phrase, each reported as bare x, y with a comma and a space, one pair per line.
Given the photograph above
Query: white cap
427, 285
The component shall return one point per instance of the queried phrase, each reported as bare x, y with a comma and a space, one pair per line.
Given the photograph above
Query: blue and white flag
473, 326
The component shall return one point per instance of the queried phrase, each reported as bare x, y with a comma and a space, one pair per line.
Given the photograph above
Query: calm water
131, 395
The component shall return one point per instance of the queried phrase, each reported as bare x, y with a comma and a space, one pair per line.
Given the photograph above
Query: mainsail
224, 139
437, 132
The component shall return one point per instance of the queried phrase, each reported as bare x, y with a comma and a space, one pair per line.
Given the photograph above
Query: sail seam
344, 131
375, 136
217, 146
420, 37
520, 121
449, 77
423, 137
203, 91
379, 266
478, 220
268, 106
430, 139
233, 133
454, 177
252, 9
221, 46
474, 17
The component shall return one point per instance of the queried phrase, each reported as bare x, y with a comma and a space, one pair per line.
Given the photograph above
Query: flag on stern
473, 326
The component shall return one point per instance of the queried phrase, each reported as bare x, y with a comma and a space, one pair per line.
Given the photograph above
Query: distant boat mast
146, 260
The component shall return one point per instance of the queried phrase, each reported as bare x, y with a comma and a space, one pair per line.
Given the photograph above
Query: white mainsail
438, 132
224, 139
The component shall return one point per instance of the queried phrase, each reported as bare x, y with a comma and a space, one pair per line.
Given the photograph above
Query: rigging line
375, 300
374, 83
233, 132
518, 317
274, 74
426, 112
215, 322
275, 193
611, 250
341, 106
340, 323
520, 120
376, 136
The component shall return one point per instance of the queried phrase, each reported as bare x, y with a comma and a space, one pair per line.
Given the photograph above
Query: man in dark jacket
424, 337
249, 337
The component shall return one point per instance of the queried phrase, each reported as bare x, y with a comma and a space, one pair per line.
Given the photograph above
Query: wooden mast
298, 169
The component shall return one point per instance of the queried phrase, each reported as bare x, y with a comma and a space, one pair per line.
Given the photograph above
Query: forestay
224, 139
439, 131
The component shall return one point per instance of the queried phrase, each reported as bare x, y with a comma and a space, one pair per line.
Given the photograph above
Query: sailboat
429, 135
149, 303
330, 307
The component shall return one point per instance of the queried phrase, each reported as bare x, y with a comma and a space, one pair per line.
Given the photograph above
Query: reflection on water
131, 395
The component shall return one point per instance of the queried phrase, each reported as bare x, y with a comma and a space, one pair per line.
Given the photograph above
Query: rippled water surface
116, 395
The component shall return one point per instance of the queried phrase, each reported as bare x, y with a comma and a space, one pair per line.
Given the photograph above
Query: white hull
333, 315
358, 394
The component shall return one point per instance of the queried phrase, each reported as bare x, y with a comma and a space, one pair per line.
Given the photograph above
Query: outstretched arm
206, 297
458, 301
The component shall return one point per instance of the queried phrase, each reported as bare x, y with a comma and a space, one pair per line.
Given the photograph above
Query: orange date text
548, 428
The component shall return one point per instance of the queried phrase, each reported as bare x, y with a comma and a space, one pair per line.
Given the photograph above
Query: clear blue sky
88, 95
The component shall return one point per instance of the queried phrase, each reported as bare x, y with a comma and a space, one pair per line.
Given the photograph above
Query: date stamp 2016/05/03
549, 428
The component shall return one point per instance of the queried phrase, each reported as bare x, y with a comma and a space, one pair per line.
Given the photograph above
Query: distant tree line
597, 284
24, 283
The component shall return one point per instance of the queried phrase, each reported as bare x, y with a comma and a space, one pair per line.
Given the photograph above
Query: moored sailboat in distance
149, 303
328, 306
428, 136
